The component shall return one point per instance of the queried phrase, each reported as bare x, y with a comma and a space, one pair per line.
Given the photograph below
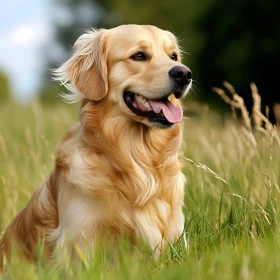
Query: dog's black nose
182, 75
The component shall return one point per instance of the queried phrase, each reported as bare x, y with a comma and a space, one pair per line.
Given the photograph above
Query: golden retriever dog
118, 171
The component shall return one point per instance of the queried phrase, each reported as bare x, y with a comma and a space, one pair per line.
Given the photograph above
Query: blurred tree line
5, 89
236, 41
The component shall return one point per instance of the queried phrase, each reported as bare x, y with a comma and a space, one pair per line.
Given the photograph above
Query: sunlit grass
231, 203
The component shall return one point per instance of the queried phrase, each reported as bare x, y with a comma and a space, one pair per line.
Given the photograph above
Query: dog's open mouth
157, 111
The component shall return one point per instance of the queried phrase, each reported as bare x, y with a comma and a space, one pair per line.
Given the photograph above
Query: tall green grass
231, 204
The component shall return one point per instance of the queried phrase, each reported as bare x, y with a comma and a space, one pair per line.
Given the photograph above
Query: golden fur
115, 174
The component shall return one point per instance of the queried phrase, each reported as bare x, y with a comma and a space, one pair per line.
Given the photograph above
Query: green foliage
179, 17
235, 41
5, 90
240, 45
50, 93
232, 200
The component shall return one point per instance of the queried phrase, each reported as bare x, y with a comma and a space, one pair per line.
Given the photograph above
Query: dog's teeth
141, 99
147, 105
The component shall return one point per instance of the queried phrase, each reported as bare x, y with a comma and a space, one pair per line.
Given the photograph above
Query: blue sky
25, 28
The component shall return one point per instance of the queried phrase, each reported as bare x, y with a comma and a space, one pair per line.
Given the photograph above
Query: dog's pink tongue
172, 113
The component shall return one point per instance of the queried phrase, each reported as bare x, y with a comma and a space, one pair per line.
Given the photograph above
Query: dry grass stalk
240, 105
276, 110
243, 110
267, 111
223, 95
269, 130
207, 169
230, 88
257, 121
236, 103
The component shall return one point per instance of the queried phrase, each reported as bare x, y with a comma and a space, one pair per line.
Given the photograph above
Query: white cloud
23, 35
20, 54
30, 33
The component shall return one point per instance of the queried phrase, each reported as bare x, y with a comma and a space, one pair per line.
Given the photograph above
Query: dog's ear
85, 73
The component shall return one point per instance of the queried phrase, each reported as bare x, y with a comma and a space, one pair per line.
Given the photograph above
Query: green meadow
232, 199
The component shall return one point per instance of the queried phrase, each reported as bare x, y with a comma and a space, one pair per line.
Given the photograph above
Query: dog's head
138, 68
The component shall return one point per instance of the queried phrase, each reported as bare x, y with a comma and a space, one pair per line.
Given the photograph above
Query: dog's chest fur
133, 187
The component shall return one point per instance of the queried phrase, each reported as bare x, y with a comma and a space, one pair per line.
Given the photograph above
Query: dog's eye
139, 56
174, 57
